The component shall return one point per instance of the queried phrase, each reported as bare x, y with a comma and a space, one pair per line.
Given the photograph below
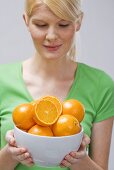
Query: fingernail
73, 154
67, 157
30, 159
27, 155
23, 150
84, 143
11, 141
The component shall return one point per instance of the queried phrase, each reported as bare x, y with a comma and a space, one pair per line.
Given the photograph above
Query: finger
23, 156
12, 142
82, 148
28, 162
70, 159
9, 133
62, 166
16, 151
85, 140
79, 154
74, 156
10, 137
65, 163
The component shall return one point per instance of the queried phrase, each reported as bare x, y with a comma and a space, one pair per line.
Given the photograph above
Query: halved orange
56, 101
46, 113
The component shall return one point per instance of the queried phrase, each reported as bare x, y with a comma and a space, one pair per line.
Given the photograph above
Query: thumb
10, 138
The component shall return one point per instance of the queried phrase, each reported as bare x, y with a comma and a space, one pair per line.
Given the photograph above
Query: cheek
68, 35
37, 35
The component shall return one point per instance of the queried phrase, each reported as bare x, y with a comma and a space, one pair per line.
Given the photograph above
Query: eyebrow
39, 20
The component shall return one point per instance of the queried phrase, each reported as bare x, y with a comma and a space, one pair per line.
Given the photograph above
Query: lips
52, 47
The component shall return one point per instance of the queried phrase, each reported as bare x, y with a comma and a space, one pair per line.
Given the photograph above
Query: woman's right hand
21, 155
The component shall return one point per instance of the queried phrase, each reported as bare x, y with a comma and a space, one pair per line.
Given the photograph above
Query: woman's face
51, 35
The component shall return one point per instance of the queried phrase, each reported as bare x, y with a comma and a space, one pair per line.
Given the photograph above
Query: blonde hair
64, 9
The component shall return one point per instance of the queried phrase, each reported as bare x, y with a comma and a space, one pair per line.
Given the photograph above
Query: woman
52, 71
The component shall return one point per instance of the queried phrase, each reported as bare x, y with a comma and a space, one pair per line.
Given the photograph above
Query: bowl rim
49, 137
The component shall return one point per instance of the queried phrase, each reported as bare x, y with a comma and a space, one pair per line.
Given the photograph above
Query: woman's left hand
74, 156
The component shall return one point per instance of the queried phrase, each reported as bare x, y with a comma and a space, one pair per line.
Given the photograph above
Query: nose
51, 34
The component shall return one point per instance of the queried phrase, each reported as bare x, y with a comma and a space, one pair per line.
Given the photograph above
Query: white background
95, 42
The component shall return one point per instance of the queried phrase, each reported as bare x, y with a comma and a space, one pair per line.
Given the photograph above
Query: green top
91, 86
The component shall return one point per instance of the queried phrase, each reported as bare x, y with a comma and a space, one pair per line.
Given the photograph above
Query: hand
75, 156
21, 155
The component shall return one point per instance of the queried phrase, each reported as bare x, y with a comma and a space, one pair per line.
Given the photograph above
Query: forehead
43, 12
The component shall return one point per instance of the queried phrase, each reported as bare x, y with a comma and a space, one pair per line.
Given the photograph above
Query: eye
64, 25
41, 25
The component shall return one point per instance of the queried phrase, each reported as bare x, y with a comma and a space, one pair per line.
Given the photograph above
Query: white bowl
47, 151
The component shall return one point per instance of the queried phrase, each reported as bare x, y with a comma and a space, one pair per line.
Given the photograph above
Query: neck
48, 68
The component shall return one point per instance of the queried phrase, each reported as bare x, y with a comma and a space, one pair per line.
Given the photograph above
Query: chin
52, 56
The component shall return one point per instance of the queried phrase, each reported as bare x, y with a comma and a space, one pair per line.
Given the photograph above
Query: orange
66, 125
56, 101
23, 116
40, 130
75, 108
46, 113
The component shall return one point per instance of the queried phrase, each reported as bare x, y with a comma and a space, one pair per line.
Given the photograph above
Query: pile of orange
48, 116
